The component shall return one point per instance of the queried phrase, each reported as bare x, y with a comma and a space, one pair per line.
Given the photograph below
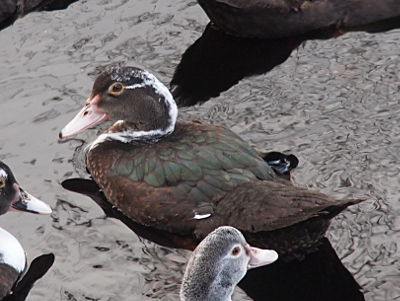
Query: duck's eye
116, 88
2, 182
236, 251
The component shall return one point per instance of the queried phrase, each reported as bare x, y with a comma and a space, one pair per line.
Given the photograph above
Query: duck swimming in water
189, 178
218, 263
13, 197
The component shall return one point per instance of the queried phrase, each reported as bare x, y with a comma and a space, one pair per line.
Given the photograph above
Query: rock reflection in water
333, 103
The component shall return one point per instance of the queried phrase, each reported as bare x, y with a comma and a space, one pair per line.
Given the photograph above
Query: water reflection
217, 61
334, 104
319, 276
92, 190
39, 266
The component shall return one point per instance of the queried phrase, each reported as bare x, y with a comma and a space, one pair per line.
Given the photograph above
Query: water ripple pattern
333, 103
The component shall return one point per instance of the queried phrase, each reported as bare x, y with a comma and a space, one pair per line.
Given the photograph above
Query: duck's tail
334, 210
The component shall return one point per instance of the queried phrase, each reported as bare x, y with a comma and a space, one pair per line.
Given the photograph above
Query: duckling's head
218, 263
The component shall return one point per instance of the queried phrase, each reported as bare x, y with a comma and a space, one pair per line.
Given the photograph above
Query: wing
267, 206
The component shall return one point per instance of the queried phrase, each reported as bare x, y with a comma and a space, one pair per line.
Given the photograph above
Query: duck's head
14, 198
218, 263
141, 104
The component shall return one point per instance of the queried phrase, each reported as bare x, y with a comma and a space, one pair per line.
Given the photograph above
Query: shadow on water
11, 10
37, 269
92, 190
319, 276
217, 61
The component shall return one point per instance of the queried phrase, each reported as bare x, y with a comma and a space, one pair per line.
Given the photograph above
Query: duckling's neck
202, 286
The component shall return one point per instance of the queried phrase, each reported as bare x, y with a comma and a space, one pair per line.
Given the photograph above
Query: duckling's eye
236, 251
2, 182
116, 88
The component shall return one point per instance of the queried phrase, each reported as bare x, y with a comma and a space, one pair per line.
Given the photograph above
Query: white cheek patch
3, 174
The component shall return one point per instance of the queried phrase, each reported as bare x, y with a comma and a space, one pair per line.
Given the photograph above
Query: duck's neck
126, 132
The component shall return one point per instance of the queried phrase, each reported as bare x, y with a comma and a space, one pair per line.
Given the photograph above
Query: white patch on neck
3, 174
127, 136
11, 251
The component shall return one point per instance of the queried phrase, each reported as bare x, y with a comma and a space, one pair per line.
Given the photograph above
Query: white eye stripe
150, 80
136, 86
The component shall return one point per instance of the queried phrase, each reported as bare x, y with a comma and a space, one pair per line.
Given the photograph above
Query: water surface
333, 103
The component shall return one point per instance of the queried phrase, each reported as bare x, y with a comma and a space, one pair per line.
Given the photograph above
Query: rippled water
334, 103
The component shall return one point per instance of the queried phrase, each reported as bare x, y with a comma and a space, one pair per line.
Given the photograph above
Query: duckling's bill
24, 201
260, 257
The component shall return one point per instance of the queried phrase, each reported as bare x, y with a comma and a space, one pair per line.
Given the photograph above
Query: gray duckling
218, 263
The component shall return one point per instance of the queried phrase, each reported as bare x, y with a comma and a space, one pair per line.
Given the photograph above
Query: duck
14, 198
218, 263
286, 18
188, 178
13, 261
